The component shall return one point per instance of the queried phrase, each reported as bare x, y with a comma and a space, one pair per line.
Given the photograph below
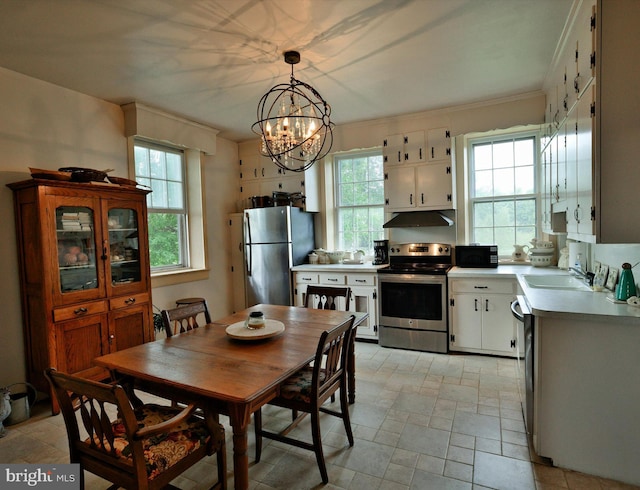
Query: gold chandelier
294, 123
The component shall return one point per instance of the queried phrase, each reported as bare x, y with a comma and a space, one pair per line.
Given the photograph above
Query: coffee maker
380, 252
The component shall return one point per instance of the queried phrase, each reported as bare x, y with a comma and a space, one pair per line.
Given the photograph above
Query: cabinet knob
80, 311
130, 301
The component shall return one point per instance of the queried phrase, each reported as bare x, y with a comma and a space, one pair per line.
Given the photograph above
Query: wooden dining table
230, 375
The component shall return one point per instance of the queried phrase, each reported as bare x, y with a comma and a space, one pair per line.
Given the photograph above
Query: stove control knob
440, 249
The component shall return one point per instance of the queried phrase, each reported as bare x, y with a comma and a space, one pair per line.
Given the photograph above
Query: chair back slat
331, 359
184, 318
325, 297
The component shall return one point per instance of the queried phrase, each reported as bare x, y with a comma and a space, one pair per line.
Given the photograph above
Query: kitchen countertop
364, 267
558, 303
503, 271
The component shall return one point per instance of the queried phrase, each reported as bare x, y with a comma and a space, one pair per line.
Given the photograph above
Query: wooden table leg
239, 418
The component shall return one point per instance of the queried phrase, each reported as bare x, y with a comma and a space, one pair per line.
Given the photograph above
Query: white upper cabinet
259, 176
600, 127
439, 144
585, 49
418, 172
404, 148
419, 187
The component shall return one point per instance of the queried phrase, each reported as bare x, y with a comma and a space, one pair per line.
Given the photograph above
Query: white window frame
337, 207
197, 263
182, 211
496, 137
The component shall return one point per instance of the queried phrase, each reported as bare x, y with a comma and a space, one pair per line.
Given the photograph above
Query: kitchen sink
556, 282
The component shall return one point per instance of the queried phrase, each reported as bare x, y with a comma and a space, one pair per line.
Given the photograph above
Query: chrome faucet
577, 271
586, 276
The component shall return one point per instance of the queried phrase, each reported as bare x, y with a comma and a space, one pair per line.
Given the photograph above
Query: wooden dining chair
326, 297
308, 389
144, 447
184, 318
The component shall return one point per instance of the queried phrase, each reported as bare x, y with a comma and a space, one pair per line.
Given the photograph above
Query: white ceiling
211, 61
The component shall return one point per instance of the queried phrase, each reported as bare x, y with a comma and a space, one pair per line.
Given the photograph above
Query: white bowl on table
335, 257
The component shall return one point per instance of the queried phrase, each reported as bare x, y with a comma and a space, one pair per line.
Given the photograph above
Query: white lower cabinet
364, 294
480, 316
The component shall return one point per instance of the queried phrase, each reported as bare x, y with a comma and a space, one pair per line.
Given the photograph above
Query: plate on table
240, 331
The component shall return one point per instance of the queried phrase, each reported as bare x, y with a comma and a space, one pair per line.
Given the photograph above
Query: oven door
413, 301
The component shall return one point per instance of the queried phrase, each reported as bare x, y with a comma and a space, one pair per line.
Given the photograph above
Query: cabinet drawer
80, 310
329, 278
306, 278
483, 286
361, 280
126, 301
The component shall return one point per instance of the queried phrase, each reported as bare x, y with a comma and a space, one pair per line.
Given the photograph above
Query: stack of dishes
541, 256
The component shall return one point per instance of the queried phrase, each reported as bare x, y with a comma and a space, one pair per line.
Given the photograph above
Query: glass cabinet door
76, 248
124, 248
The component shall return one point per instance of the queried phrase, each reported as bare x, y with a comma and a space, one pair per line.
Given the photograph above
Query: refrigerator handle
248, 242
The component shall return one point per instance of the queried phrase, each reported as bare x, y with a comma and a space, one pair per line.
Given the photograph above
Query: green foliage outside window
164, 249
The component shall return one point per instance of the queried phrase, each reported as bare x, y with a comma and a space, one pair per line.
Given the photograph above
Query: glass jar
255, 320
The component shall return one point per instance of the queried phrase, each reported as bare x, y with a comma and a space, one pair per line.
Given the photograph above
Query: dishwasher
522, 312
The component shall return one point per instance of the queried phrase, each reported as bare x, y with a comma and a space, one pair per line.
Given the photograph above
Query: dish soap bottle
627, 285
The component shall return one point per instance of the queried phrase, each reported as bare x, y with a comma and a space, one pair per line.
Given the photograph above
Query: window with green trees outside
503, 191
163, 170
359, 188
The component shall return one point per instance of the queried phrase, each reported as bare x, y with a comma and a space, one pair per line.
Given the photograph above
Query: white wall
221, 184
46, 126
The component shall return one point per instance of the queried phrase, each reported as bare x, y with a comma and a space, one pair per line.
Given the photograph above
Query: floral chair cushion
164, 450
298, 386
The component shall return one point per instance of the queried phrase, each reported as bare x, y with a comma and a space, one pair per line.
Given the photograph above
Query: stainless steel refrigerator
275, 239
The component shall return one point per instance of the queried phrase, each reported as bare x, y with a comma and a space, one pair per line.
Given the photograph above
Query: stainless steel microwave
477, 255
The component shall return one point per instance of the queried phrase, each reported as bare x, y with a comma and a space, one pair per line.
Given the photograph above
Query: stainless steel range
413, 297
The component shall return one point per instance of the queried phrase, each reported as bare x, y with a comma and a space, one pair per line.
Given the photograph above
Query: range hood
418, 218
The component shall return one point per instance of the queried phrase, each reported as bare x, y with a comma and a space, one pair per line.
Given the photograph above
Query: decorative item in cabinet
84, 274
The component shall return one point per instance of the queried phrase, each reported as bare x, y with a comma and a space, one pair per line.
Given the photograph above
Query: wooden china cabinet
84, 274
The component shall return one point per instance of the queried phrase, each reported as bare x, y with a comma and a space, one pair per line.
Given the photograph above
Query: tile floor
421, 421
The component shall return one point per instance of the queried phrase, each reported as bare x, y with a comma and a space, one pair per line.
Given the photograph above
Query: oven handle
515, 306
412, 278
